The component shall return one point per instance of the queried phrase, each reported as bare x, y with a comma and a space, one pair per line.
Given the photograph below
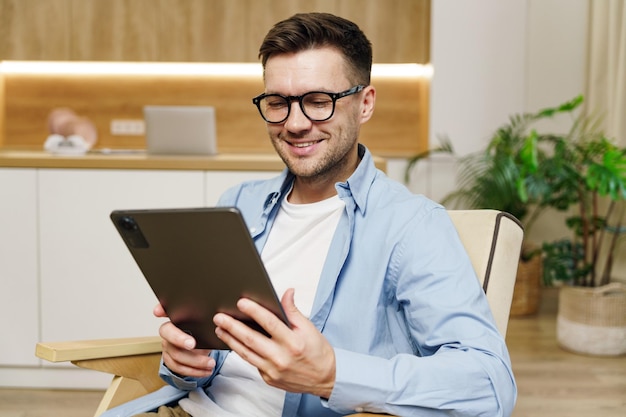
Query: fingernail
189, 344
243, 303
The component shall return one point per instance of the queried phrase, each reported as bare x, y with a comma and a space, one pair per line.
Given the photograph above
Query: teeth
303, 145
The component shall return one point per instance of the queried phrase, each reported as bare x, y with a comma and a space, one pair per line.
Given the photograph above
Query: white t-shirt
294, 256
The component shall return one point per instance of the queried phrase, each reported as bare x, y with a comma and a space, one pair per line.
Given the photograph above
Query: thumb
289, 305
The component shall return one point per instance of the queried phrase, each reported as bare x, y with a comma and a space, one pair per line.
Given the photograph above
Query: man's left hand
296, 359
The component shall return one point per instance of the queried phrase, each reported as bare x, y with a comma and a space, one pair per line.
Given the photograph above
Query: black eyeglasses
317, 106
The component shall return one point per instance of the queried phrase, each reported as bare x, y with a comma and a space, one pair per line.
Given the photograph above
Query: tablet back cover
198, 262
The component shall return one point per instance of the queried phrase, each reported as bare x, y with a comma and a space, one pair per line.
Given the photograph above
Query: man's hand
299, 359
179, 353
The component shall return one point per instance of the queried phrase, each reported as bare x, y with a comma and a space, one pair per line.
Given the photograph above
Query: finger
159, 311
274, 326
240, 337
240, 344
231, 328
176, 337
196, 363
179, 354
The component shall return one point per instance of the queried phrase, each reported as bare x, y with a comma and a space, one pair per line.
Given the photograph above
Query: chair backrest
493, 240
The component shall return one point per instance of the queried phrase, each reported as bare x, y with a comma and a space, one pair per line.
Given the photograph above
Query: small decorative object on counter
70, 134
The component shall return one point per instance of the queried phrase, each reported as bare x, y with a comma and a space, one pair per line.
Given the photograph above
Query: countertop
140, 160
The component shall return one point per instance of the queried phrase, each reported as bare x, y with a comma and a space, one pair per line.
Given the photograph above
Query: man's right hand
179, 352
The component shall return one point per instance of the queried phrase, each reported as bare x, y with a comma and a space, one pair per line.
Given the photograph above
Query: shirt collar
360, 182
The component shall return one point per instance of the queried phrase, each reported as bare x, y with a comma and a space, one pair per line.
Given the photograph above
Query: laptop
180, 130
198, 261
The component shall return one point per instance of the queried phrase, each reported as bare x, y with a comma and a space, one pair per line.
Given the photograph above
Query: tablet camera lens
131, 232
128, 223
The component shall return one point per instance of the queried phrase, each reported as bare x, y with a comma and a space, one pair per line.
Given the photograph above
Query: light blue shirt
398, 300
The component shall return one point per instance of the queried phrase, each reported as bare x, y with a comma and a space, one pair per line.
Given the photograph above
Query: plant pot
526, 293
593, 320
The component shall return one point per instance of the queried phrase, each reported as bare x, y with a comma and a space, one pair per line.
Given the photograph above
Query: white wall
491, 59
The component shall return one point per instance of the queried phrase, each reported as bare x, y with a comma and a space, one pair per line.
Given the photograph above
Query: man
386, 312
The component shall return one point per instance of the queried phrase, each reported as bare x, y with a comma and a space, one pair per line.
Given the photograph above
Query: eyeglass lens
317, 106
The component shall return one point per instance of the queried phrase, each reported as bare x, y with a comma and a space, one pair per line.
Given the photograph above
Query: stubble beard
320, 167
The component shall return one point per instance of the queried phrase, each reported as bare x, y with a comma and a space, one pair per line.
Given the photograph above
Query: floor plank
553, 382
48, 403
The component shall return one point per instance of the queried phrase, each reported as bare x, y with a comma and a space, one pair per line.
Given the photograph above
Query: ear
367, 103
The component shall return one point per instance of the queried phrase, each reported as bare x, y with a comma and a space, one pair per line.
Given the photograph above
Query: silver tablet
198, 262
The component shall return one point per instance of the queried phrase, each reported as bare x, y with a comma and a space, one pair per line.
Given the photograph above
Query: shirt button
252, 230
359, 409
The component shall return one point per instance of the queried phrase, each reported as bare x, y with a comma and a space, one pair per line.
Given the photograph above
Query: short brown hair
305, 31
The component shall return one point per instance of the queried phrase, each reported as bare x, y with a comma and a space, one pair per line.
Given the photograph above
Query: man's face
315, 150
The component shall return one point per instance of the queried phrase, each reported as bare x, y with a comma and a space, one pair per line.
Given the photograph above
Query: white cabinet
90, 285
65, 273
219, 181
19, 301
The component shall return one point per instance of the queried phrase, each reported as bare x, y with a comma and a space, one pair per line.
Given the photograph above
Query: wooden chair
492, 239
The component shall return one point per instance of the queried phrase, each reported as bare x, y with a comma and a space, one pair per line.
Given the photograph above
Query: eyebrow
321, 90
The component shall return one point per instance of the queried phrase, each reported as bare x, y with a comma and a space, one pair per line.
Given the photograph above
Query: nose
297, 121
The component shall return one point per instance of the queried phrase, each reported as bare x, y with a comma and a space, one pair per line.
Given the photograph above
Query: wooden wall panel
35, 29
114, 30
398, 29
193, 30
202, 31
2, 112
104, 98
399, 126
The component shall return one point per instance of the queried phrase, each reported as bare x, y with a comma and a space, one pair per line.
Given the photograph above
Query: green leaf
563, 108
528, 153
608, 177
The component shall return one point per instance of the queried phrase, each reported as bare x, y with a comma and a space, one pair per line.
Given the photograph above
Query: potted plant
525, 172
506, 176
584, 174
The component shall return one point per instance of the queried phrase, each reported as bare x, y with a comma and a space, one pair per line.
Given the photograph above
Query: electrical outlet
128, 127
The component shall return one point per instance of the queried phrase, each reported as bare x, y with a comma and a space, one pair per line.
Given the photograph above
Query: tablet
198, 262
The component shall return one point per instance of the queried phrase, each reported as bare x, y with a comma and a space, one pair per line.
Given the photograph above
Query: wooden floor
555, 383
551, 381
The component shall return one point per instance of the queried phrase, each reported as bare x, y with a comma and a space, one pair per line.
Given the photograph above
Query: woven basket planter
593, 320
526, 293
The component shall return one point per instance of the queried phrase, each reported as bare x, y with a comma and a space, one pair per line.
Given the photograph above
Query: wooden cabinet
194, 30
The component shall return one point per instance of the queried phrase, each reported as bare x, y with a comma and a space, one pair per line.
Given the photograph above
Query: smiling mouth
304, 144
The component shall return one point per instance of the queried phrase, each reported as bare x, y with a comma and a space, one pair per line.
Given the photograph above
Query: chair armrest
134, 363
97, 349
85, 353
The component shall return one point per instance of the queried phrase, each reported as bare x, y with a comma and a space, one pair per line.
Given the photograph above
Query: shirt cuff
360, 383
